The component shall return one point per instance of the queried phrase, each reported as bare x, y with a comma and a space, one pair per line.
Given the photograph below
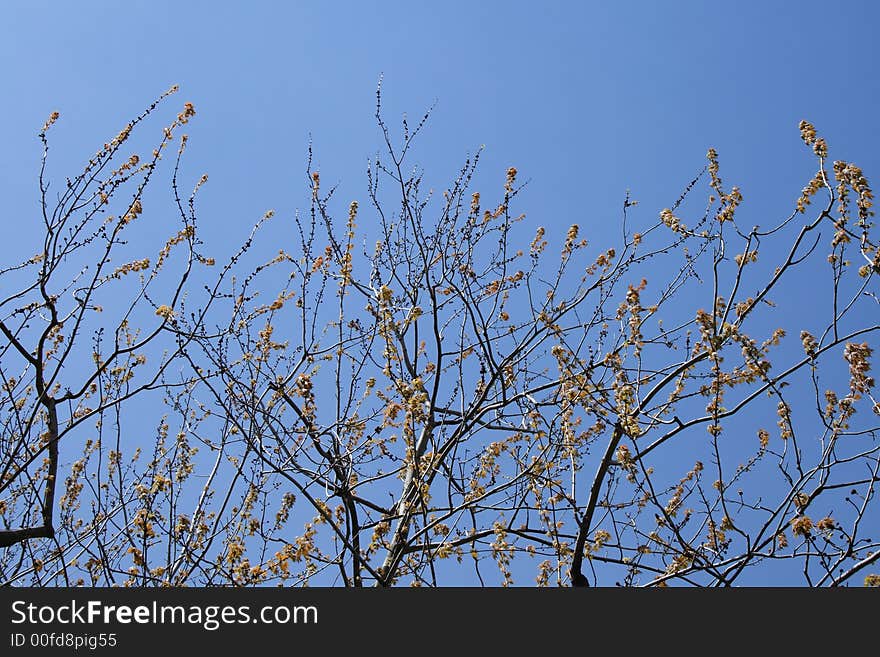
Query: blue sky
586, 99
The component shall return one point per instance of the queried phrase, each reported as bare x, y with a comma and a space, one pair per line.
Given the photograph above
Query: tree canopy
424, 387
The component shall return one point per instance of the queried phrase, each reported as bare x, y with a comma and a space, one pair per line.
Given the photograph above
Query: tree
443, 397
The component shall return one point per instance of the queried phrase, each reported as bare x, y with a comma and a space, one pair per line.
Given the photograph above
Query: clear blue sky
586, 99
